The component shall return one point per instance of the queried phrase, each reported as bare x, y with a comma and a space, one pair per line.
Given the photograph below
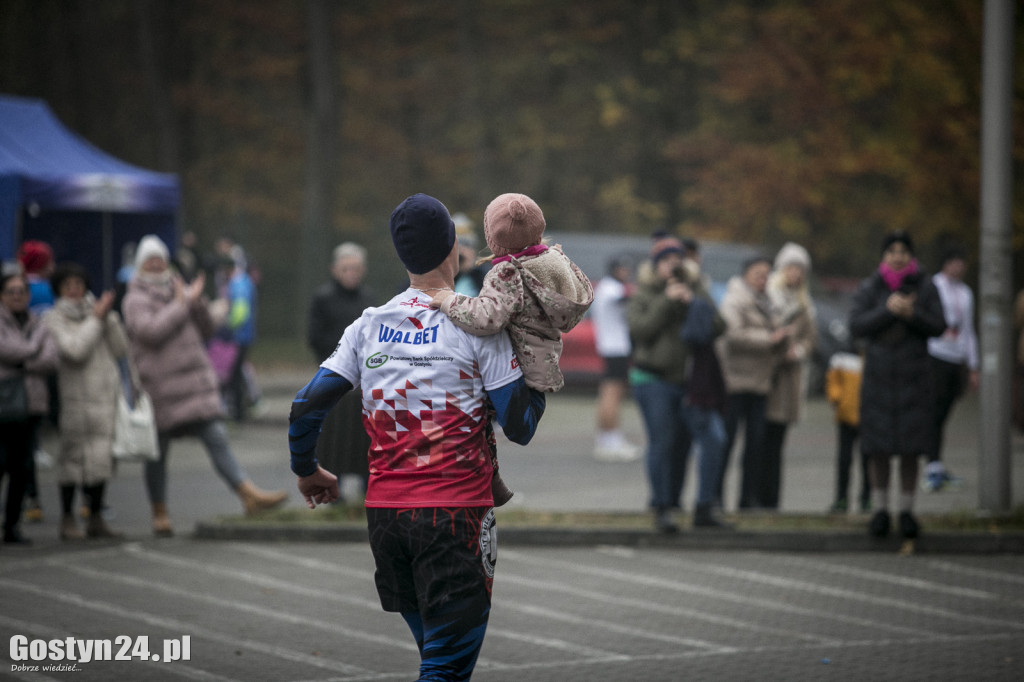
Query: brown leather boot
161, 521
255, 500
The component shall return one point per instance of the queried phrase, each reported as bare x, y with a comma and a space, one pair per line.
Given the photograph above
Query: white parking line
318, 565
327, 567
249, 577
550, 643
891, 579
984, 573
28, 563
722, 595
590, 622
659, 607
803, 585
252, 609
175, 625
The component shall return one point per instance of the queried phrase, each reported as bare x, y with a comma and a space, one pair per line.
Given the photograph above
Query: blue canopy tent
86, 204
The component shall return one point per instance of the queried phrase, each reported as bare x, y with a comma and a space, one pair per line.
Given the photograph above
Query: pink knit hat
513, 222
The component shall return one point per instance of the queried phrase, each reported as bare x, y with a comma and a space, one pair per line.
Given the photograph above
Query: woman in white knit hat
792, 306
168, 325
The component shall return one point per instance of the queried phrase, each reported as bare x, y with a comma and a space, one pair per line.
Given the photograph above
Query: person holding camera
895, 311
661, 379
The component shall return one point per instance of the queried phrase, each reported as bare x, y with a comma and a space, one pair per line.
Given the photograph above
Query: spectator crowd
723, 379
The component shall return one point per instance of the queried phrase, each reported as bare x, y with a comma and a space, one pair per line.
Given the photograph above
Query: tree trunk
156, 88
322, 153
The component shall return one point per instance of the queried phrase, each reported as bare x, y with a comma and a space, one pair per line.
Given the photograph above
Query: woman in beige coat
792, 307
90, 340
750, 350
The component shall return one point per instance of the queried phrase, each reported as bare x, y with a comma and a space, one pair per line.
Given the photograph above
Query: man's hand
320, 487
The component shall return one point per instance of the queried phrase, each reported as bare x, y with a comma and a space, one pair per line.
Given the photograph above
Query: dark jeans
707, 428
668, 440
750, 407
948, 381
847, 435
214, 436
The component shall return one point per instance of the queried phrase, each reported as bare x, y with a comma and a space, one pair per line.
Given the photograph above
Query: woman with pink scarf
895, 311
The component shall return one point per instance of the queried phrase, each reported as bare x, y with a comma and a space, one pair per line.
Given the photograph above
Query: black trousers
17, 449
750, 408
847, 438
948, 380
769, 486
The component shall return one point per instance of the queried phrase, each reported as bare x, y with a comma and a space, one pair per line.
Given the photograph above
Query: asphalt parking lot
291, 611
271, 611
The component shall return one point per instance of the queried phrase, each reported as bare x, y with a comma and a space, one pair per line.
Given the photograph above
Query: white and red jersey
422, 381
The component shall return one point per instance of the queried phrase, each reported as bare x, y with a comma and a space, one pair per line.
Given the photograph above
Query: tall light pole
996, 280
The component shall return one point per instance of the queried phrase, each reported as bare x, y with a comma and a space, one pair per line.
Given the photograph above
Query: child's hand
440, 297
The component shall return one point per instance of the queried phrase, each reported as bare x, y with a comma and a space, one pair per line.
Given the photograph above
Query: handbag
135, 437
135, 430
223, 354
13, 399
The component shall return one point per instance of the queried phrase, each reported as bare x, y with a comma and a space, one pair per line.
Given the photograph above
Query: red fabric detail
534, 250
425, 457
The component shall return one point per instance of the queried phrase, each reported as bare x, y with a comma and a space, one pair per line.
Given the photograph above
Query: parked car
580, 364
833, 301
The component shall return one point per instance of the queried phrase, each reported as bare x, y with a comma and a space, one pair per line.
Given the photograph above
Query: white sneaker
623, 452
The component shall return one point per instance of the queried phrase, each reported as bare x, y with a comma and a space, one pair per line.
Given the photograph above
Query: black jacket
333, 308
896, 396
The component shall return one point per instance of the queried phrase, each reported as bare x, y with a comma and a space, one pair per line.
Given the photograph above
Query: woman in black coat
343, 444
895, 311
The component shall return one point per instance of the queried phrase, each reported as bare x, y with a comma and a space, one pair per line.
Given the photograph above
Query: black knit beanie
423, 233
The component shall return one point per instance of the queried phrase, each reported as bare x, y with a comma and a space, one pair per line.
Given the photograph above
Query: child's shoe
501, 492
